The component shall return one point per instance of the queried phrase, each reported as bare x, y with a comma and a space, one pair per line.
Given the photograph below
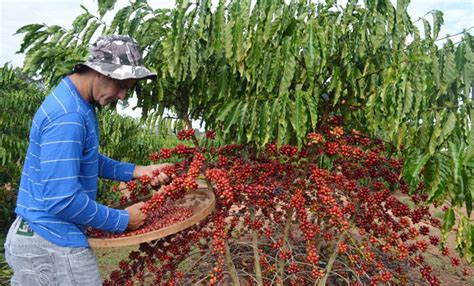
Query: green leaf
29, 28
265, 126
234, 117
448, 221
435, 69
469, 157
282, 120
449, 71
470, 244
228, 44
119, 19
253, 123
243, 122
289, 67
408, 100
401, 135
193, 63
32, 34
413, 166
468, 189
288, 73
455, 154
275, 117
300, 118
89, 32
427, 27
434, 138
312, 104
423, 134
80, 22
437, 176
105, 5
224, 112
448, 126
437, 23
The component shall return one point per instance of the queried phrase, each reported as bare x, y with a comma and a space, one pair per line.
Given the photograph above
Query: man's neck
83, 84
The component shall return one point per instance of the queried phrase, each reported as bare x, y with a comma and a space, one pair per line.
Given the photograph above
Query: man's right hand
135, 216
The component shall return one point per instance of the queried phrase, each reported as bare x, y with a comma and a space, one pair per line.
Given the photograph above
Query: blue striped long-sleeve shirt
58, 187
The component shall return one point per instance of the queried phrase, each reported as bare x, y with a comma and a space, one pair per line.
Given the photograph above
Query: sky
458, 15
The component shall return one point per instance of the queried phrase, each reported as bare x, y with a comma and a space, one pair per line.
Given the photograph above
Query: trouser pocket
32, 269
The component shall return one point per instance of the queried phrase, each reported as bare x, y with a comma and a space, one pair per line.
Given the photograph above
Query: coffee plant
327, 213
19, 98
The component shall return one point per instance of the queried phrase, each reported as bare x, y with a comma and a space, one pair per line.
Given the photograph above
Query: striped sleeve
115, 170
61, 148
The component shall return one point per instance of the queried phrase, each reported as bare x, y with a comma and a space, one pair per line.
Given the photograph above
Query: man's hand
135, 216
161, 179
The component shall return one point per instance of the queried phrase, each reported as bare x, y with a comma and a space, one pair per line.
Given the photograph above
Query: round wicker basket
201, 202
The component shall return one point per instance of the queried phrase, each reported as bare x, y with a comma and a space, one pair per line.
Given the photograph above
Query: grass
109, 258
439, 214
407, 201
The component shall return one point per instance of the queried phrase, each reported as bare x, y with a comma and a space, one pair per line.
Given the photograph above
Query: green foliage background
19, 98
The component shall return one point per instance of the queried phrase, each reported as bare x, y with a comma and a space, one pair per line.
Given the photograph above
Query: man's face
107, 90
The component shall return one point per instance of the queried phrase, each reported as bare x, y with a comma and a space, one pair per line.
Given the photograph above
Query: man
56, 202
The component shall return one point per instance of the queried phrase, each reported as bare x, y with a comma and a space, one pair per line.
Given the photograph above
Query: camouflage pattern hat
118, 57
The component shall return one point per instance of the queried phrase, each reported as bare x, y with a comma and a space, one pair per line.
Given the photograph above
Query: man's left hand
161, 179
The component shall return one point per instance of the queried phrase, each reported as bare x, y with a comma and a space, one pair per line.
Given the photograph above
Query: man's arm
114, 170
124, 172
61, 153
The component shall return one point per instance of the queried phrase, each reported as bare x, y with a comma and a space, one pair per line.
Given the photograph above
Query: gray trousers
36, 261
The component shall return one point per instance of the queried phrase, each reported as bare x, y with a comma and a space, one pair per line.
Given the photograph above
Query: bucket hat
118, 57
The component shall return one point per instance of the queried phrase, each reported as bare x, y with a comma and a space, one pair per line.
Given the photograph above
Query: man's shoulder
61, 101
62, 104
55, 110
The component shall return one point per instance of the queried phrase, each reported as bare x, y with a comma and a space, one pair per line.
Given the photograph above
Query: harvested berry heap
164, 216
